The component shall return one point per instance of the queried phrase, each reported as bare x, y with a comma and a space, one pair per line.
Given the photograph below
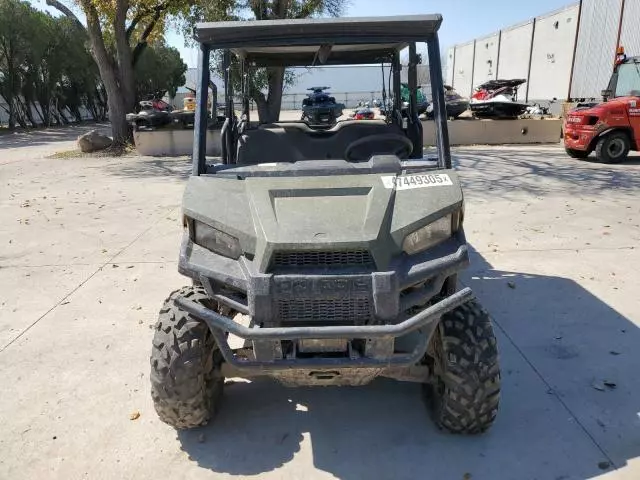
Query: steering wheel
386, 144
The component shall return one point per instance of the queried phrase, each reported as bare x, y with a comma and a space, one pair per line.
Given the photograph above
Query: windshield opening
628, 80
397, 132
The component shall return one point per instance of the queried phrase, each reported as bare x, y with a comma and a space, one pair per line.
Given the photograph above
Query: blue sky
463, 19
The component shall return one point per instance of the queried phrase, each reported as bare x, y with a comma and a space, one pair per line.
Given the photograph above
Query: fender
627, 130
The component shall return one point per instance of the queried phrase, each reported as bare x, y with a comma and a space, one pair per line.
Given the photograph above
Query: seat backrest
265, 146
295, 141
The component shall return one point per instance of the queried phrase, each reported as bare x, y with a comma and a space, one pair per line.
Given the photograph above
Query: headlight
216, 241
428, 236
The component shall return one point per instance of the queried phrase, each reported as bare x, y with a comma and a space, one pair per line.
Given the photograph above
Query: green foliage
45, 68
119, 32
47, 74
263, 9
15, 27
159, 70
267, 84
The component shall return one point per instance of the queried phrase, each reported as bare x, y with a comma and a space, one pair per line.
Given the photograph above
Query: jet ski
498, 99
319, 108
153, 112
364, 112
455, 103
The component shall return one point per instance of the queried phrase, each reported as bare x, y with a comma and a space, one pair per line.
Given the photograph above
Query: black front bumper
411, 281
426, 321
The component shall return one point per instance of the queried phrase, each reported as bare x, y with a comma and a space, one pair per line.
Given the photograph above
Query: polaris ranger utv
333, 253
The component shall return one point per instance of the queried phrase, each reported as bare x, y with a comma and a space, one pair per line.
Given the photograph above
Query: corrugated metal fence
568, 53
595, 50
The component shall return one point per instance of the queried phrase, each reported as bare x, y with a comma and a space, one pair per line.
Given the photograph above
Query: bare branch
142, 42
157, 10
66, 11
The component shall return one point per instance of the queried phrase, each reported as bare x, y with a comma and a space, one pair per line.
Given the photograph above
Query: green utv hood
271, 214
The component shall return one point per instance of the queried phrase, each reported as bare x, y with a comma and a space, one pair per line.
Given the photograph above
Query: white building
567, 53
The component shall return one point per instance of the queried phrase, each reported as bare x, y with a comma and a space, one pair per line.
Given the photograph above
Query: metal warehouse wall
449, 61
515, 47
486, 59
630, 34
555, 49
553, 46
595, 50
547, 41
463, 74
422, 72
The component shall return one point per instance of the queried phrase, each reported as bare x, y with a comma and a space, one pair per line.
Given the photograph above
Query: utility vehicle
333, 253
611, 128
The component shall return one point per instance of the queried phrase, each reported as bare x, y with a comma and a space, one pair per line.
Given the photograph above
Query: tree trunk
20, 113
117, 113
263, 108
109, 76
46, 110
97, 104
29, 113
125, 58
75, 111
12, 113
93, 107
108, 69
53, 115
275, 76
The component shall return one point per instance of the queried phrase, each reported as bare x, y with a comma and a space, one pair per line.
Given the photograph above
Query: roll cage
320, 42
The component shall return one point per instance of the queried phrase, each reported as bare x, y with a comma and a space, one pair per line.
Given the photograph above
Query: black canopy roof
299, 42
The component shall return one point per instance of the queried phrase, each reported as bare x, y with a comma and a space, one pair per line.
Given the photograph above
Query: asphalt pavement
88, 252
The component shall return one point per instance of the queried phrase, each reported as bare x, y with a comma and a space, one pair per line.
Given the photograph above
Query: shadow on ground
148, 167
539, 170
509, 171
577, 343
42, 136
552, 425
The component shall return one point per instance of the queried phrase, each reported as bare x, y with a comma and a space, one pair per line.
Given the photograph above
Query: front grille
348, 310
323, 259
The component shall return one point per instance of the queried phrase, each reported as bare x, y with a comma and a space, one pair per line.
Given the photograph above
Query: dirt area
88, 252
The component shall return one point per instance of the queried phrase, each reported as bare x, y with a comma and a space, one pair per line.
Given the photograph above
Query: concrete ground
88, 253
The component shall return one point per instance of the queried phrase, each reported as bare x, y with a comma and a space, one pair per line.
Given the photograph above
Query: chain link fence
293, 101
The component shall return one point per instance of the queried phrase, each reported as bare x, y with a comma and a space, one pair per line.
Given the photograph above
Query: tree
267, 84
159, 70
118, 33
46, 72
79, 85
16, 26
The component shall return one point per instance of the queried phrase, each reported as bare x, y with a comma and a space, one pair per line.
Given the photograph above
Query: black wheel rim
615, 148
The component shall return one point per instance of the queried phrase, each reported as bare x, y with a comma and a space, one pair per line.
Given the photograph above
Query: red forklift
610, 128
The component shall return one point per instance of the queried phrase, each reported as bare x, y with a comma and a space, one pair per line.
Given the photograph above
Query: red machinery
610, 128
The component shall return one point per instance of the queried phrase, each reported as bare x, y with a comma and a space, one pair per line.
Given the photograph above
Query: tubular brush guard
424, 320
